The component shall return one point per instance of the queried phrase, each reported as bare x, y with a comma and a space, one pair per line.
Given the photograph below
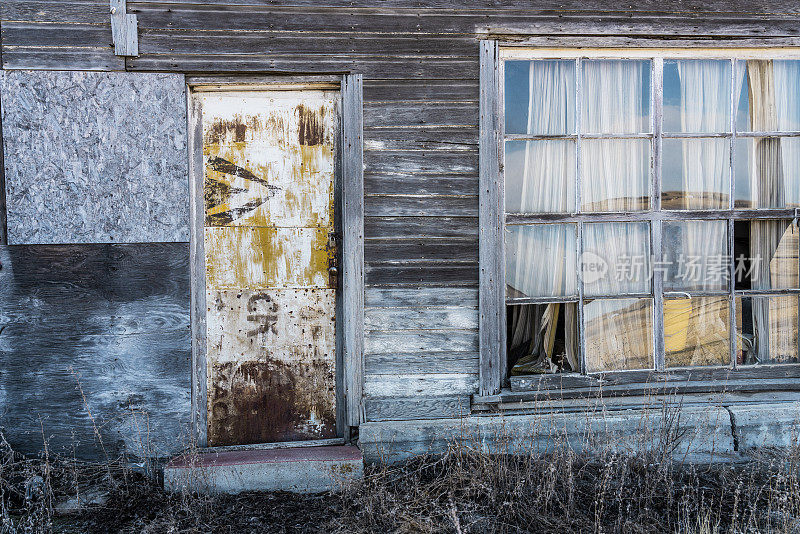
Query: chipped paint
268, 191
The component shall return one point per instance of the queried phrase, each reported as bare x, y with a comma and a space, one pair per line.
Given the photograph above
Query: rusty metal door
268, 183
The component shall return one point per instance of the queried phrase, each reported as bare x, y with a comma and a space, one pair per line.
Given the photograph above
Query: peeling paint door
269, 246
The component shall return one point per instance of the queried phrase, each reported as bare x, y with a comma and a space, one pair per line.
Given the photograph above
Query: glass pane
540, 176
766, 329
767, 96
540, 97
697, 95
616, 258
766, 254
615, 174
619, 334
768, 172
696, 332
542, 338
541, 260
696, 174
695, 255
616, 96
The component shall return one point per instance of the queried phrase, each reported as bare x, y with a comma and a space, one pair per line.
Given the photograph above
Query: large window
649, 211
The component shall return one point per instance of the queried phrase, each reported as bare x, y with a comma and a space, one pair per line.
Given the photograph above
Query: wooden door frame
349, 221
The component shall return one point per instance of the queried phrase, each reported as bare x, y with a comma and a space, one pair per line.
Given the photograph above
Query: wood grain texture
491, 244
124, 30
95, 335
411, 408
95, 157
352, 215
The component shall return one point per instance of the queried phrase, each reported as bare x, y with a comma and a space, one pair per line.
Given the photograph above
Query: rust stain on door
268, 189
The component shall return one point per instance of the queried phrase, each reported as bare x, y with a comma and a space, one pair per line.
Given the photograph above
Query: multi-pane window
651, 208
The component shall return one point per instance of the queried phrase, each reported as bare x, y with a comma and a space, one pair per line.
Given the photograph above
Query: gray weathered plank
421, 206
353, 245
421, 162
410, 408
395, 385
59, 35
124, 29
423, 90
419, 184
76, 11
198, 270
416, 250
405, 341
414, 227
46, 58
454, 316
421, 296
421, 363
431, 113
441, 274
388, 137
491, 254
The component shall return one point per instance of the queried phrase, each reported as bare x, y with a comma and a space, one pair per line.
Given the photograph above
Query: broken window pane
541, 260
616, 258
696, 255
616, 96
697, 96
696, 331
540, 176
767, 172
615, 175
766, 329
765, 254
619, 334
542, 338
695, 174
767, 96
540, 97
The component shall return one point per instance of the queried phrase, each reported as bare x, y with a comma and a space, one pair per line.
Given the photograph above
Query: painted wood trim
491, 252
353, 246
124, 29
198, 271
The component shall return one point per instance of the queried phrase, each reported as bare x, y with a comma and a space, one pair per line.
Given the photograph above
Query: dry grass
463, 491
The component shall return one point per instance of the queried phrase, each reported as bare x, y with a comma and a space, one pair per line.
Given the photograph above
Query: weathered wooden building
229, 222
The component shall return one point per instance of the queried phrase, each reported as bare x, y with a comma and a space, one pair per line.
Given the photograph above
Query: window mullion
731, 205
578, 193
655, 224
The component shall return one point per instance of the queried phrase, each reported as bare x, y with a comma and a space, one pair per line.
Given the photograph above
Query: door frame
348, 222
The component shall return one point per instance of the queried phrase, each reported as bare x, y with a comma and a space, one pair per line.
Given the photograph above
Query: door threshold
279, 445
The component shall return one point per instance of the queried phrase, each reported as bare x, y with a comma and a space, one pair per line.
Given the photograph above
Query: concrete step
296, 469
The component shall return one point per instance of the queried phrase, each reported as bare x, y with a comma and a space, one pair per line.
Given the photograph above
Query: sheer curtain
705, 107
773, 107
615, 170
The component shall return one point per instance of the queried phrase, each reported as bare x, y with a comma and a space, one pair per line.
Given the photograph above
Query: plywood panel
100, 330
95, 157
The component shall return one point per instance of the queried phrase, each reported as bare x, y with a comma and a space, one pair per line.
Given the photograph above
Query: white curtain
773, 89
540, 176
615, 171
540, 260
624, 248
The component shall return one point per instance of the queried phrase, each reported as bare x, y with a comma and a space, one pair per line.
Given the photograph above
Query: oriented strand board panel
95, 157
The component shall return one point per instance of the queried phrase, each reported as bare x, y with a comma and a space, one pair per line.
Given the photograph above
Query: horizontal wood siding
58, 35
419, 60
95, 348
